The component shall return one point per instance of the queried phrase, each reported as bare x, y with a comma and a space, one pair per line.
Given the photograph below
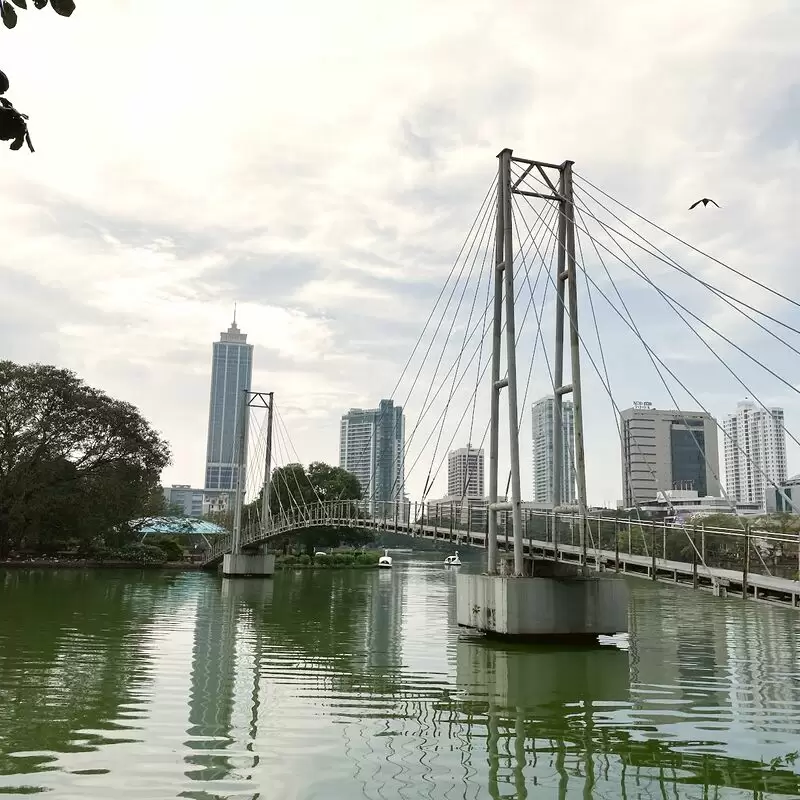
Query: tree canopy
293, 485
74, 462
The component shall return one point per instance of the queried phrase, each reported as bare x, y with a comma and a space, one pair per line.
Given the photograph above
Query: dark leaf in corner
39, 3
9, 15
3, 82
63, 7
20, 3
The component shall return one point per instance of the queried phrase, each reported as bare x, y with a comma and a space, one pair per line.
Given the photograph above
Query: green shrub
95, 551
173, 551
143, 554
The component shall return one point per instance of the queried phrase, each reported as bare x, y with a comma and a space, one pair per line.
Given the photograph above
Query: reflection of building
668, 449
465, 472
231, 373
543, 418
225, 676
755, 452
182, 499
371, 446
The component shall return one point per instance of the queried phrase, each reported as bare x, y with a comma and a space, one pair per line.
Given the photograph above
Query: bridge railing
759, 551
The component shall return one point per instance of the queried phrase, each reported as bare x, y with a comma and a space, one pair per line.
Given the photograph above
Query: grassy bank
87, 563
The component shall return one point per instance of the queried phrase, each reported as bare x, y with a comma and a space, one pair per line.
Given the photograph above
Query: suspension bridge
546, 248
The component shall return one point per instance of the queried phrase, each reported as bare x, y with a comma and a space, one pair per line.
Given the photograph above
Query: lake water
347, 684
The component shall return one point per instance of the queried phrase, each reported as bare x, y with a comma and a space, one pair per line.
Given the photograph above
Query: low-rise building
677, 505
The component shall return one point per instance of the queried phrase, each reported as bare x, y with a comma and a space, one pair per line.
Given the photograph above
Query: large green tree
294, 486
74, 462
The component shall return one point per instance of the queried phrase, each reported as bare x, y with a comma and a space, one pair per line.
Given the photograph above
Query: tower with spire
231, 375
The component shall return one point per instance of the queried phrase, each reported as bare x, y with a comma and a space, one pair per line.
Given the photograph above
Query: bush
304, 559
95, 551
143, 554
173, 551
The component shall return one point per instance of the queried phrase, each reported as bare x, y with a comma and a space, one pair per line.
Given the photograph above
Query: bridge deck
760, 587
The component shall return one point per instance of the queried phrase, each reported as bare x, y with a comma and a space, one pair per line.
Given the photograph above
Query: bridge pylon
539, 597
237, 563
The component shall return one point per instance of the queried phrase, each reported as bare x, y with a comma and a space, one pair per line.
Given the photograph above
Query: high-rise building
755, 452
465, 472
667, 449
543, 418
231, 373
372, 447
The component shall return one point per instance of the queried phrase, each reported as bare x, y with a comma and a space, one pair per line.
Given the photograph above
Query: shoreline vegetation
349, 559
150, 559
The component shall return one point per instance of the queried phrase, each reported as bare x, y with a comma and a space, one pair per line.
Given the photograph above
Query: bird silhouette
705, 201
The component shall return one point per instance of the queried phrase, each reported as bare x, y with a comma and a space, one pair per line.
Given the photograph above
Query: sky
321, 163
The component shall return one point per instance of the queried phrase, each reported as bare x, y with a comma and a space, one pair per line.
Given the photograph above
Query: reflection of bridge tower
513, 689
221, 702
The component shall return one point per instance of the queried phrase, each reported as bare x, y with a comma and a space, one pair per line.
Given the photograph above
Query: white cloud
320, 163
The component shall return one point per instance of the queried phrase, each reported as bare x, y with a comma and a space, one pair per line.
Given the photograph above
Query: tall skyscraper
543, 417
667, 449
231, 373
465, 472
755, 452
372, 447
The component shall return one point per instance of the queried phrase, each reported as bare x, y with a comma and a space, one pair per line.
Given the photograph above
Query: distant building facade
755, 452
231, 375
784, 498
185, 500
665, 449
465, 472
372, 447
543, 427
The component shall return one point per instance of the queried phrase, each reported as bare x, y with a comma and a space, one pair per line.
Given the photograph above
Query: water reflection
345, 683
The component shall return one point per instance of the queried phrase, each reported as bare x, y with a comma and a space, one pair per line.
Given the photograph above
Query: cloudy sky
320, 164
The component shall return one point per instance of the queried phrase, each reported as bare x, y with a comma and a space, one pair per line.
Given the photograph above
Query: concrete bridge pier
551, 601
248, 565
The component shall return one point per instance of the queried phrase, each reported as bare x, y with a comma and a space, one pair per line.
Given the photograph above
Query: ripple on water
340, 684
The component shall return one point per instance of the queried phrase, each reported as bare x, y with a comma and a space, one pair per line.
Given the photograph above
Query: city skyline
663, 443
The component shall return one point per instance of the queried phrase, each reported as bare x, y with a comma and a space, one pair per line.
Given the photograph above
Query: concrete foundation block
248, 565
560, 607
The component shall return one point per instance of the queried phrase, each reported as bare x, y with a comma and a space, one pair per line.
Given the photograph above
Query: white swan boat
385, 561
453, 561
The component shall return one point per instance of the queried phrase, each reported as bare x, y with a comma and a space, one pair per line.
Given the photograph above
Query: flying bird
705, 201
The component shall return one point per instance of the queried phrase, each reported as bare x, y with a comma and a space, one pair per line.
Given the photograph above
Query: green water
358, 684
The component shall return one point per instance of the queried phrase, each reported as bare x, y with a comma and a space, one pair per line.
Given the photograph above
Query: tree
293, 486
74, 463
